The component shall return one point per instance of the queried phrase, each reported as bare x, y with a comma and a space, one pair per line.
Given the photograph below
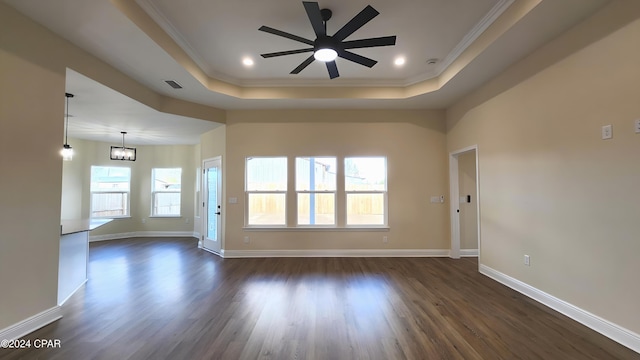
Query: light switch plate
233, 200
607, 132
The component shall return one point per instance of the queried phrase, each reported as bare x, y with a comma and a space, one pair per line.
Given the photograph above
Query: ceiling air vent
173, 84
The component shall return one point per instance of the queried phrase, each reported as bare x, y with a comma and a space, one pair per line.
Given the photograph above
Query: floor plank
166, 299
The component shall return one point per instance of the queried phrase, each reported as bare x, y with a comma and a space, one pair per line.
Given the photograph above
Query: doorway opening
465, 203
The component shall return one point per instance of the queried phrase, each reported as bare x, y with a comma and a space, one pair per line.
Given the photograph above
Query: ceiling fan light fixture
326, 48
325, 54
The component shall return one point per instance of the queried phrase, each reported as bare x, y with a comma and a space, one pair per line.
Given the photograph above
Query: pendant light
67, 150
121, 152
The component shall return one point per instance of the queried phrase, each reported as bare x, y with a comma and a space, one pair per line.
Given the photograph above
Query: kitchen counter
73, 226
74, 255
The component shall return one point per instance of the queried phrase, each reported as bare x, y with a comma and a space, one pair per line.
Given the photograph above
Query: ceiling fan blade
303, 65
313, 12
286, 35
356, 23
348, 55
372, 42
332, 68
282, 53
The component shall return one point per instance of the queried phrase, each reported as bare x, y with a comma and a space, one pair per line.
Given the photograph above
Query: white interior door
212, 205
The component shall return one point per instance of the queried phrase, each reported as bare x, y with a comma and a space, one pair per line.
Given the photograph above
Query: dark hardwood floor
165, 299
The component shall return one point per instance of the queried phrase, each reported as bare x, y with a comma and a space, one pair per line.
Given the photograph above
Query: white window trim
127, 215
385, 192
385, 217
335, 208
257, 192
260, 192
153, 203
110, 191
340, 191
334, 192
154, 192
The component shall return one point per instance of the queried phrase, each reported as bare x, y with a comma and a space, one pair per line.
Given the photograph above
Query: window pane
267, 209
196, 212
316, 209
268, 174
316, 174
109, 204
109, 178
365, 209
212, 203
167, 179
166, 203
365, 174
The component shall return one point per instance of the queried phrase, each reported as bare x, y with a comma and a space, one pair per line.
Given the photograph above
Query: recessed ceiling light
247, 61
399, 61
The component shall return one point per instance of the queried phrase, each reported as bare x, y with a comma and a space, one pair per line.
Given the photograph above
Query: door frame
454, 193
204, 216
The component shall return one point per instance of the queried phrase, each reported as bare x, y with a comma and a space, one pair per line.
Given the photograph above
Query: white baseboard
31, 324
469, 252
615, 332
221, 253
335, 253
141, 234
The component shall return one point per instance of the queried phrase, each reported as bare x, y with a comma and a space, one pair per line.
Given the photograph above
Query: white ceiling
217, 35
99, 113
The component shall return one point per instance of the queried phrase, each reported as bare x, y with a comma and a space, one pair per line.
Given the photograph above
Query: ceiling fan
326, 48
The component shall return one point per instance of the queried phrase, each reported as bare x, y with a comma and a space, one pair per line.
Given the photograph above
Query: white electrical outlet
527, 260
637, 127
186, 220
246, 240
144, 220
607, 132
385, 239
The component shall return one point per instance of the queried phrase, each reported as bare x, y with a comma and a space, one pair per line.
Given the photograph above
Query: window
366, 190
165, 191
266, 190
316, 190
198, 201
110, 188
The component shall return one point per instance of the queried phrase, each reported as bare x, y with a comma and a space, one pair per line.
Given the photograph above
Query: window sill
111, 217
165, 216
317, 228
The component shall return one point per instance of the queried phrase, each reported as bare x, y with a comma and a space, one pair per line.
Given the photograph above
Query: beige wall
93, 153
31, 137
468, 211
549, 187
412, 141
